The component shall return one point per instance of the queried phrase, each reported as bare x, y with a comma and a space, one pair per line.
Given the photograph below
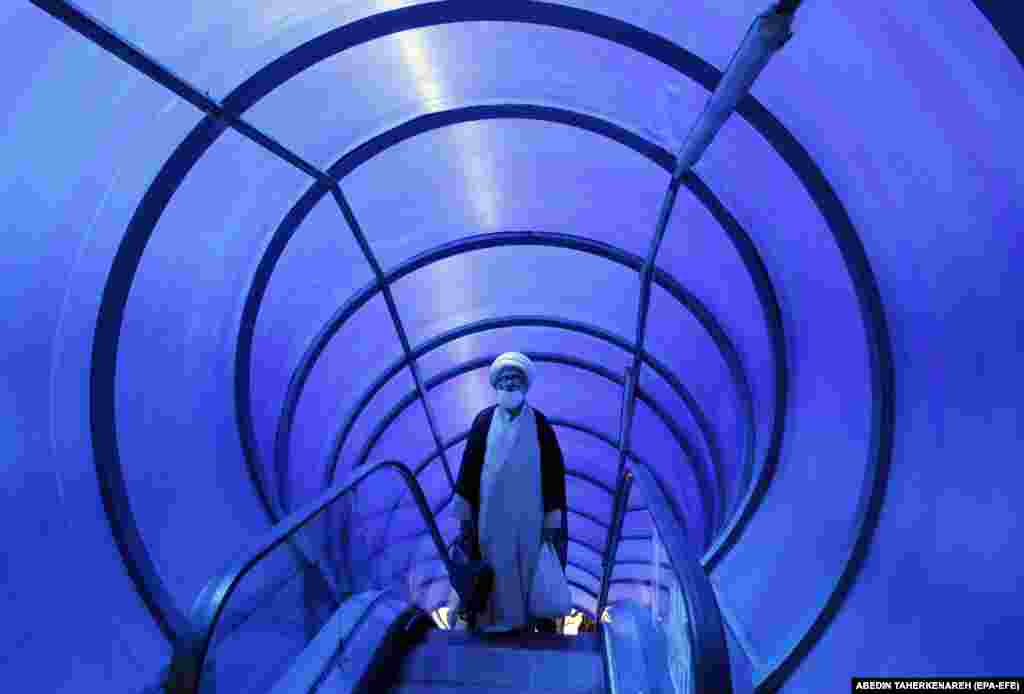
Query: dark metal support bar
769, 32
349, 161
283, 434
437, 380
590, 517
403, 337
681, 439
90, 27
626, 409
151, 207
556, 422
586, 545
670, 422
702, 474
102, 35
339, 439
646, 276
426, 122
93, 29
581, 587
612, 543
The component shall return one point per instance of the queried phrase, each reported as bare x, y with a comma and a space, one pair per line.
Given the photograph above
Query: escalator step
518, 664
534, 641
436, 688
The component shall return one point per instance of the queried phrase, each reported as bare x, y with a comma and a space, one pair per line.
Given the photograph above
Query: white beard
511, 399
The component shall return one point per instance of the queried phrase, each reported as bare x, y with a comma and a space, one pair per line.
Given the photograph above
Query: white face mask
510, 399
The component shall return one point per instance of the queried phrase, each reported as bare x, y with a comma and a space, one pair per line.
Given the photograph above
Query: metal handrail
190, 652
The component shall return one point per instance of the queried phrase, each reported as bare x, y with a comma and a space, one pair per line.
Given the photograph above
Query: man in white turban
510, 495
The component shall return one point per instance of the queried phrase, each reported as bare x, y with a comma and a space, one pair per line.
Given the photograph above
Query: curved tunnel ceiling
323, 309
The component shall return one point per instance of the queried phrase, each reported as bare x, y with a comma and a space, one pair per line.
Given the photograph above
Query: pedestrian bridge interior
261, 255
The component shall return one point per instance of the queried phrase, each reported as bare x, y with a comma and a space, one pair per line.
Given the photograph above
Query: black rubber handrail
190, 652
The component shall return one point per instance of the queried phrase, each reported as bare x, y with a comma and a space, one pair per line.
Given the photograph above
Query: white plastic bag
549, 590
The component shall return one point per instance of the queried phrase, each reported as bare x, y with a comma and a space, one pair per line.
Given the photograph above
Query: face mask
510, 399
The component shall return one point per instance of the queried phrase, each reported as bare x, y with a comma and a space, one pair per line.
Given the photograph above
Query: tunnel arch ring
703, 316
735, 232
113, 491
133, 551
474, 364
480, 362
661, 157
758, 489
555, 422
702, 473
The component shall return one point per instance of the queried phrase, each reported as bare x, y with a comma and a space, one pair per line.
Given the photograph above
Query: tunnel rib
567, 18
385, 287
93, 29
734, 231
766, 35
704, 317
128, 256
474, 364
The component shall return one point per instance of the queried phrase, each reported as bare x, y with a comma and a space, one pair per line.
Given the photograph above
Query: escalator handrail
191, 650
706, 631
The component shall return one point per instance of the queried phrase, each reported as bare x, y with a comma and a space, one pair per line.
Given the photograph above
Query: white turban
514, 359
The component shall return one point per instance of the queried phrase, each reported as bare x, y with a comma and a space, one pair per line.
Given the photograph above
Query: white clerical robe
511, 510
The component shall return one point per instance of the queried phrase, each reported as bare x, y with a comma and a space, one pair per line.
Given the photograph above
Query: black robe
552, 467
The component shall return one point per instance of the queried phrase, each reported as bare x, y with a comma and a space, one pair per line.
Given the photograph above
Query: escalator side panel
350, 669
339, 631
404, 634
526, 664
636, 654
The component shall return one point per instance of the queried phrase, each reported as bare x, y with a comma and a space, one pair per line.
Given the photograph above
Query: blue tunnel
260, 256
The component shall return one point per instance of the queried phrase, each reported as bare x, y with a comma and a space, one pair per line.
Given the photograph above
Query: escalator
326, 603
446, 662
408, 655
